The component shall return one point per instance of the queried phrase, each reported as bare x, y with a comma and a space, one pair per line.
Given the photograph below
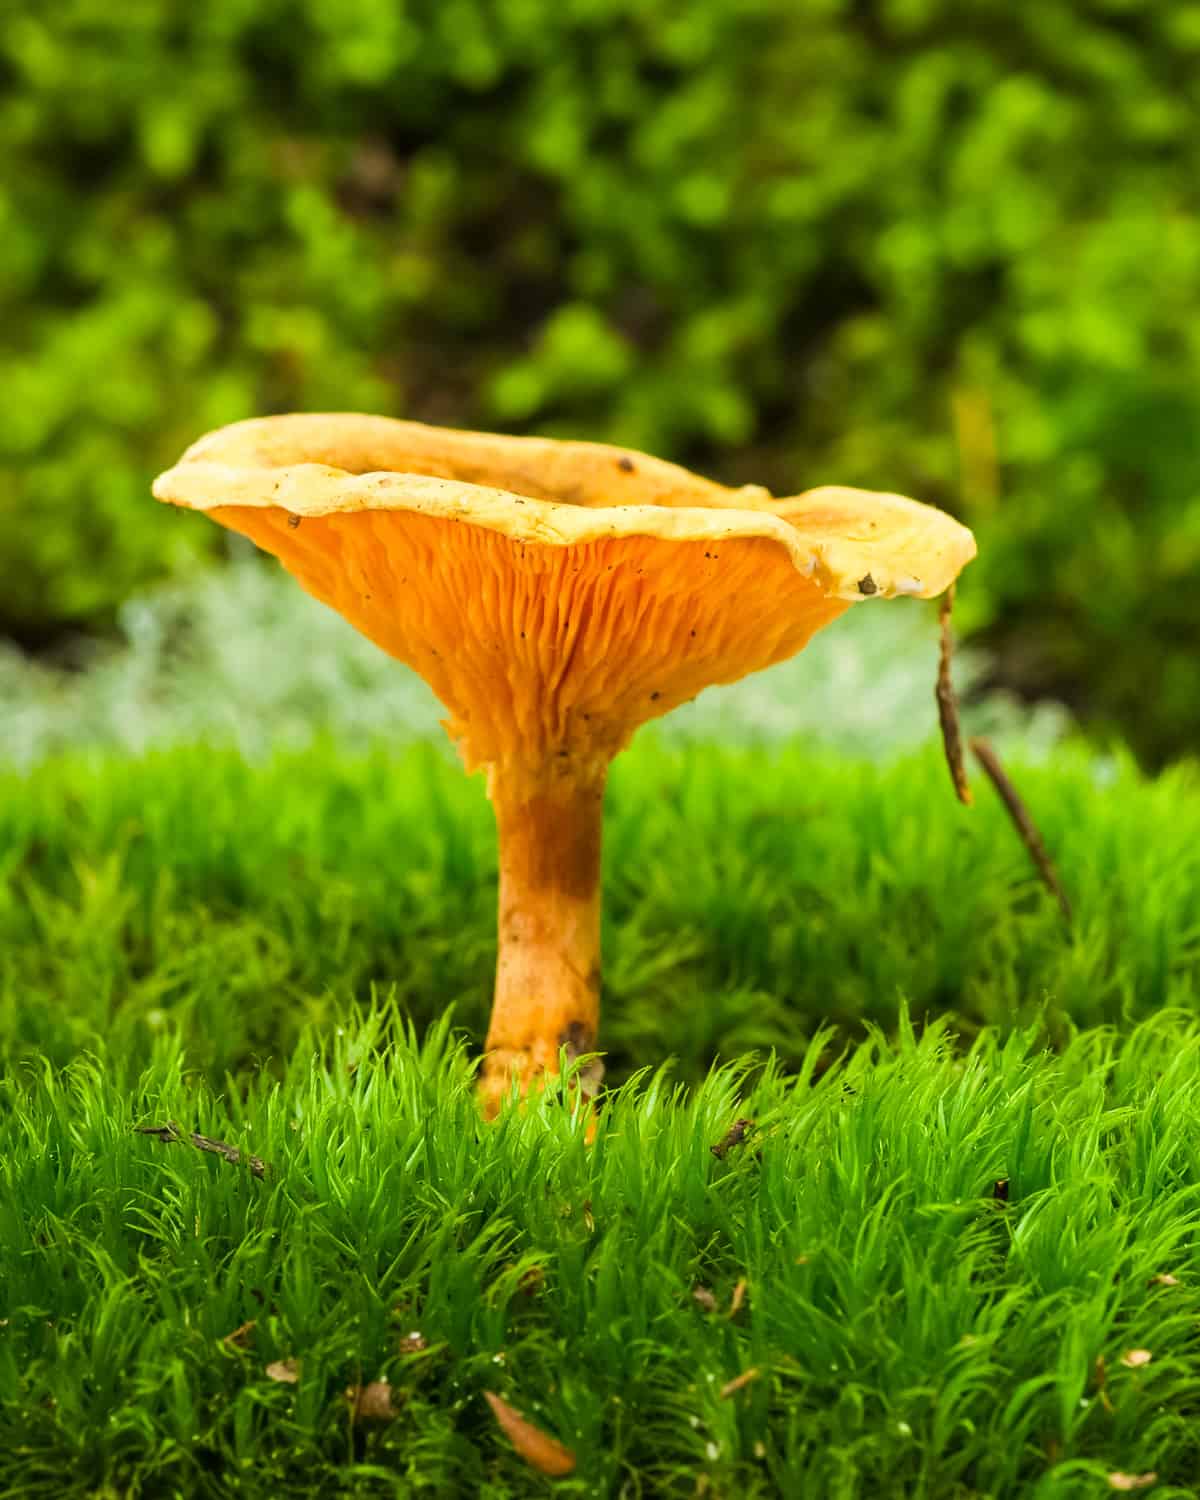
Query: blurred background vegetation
946, 247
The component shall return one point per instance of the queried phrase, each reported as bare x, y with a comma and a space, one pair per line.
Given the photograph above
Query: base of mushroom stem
532, 1073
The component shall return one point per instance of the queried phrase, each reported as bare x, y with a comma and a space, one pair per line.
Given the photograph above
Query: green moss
946, 1238
750, 895
929, 1267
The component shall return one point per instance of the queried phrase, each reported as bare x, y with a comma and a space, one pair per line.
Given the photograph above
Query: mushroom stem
548, 966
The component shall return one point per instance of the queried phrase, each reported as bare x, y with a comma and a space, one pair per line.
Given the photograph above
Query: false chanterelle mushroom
555, 595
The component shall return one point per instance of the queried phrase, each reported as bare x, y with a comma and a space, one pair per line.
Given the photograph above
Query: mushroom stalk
548, 967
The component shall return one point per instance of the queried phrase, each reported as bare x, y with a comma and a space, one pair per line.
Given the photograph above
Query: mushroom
555, 596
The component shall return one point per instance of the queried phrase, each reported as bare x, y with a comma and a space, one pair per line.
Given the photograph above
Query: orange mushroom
555, 596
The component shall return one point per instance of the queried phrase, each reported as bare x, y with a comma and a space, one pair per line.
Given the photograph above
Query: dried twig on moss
170, 1133
948, 705
734, 1136
1023, 823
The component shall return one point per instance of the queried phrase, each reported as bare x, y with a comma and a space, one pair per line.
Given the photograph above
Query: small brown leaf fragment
947, 704
539, 1450
240, 1337
285, 1370
577, 1040
704, 1298
1119, 1481
734, 1136
531, 1281
373, 1402
1164, 1278
589, 1079
1023, 823
1136, 1359
412, 1343
731, 1387
739, 1296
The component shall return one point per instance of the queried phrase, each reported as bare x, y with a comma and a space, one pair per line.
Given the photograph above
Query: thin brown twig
170, 1133
1022, 822
948, 705
734, 1136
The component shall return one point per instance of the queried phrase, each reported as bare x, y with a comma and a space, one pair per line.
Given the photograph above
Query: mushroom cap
555, 595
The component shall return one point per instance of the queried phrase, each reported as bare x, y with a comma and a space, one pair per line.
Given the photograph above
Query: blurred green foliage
949, 247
